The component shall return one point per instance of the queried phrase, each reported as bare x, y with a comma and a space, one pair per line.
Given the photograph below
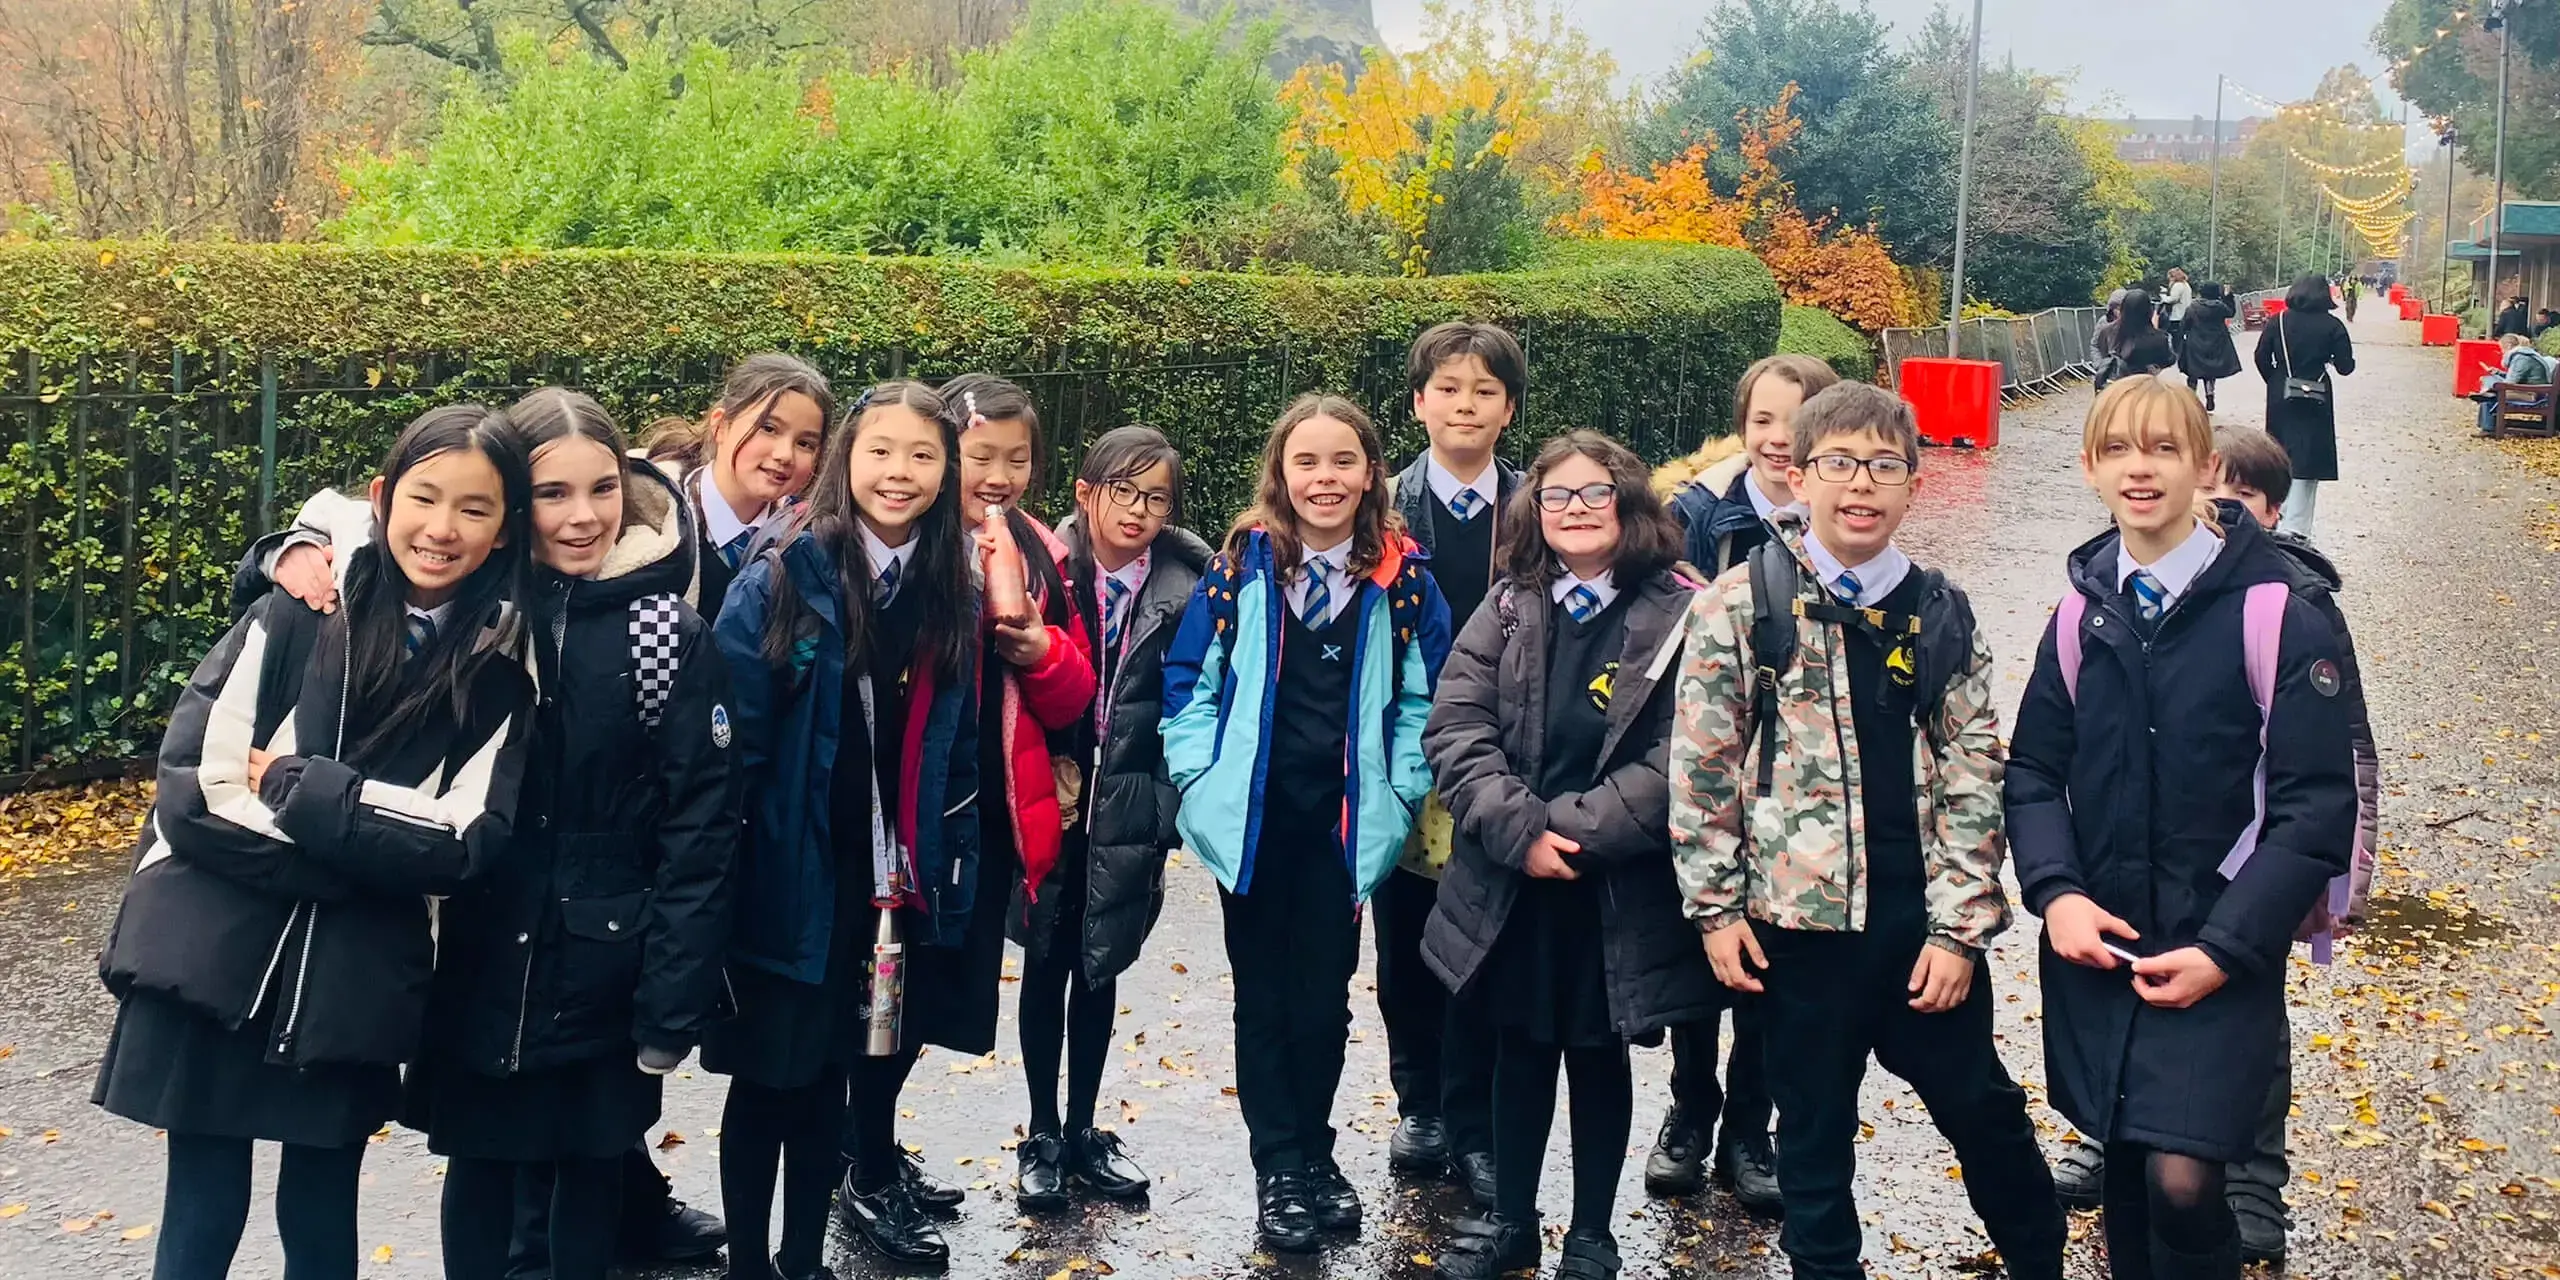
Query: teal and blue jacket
1221, 676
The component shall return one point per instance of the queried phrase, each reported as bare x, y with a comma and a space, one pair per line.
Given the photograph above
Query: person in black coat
2210, 355
746, 461
2303, 344
1548, 739
2512, 318
1132, 574
2138, 349
2131, 787
322, 777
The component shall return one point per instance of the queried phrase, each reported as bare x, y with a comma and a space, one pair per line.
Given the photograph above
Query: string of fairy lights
2373, 217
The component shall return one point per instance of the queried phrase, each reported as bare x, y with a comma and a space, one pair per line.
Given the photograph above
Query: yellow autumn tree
1843, 270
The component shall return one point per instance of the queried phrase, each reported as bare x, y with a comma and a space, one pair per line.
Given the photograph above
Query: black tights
206, 1207
1524, 1107
1060, 1011
2166, 1217
792, 1131
870, 1139
480, 1213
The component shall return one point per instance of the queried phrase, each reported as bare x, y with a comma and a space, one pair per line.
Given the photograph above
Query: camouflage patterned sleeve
1708, 740
1965, 901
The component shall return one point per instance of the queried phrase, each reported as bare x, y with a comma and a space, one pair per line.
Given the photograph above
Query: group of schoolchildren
545, 762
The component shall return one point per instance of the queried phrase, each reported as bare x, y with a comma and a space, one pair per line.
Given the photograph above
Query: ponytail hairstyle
973, 398
747, 395
390, 695
1371, 525
940, 566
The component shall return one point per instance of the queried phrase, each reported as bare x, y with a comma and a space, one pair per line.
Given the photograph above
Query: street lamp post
2213, 221
1964, 177
2444, 284
2498, 161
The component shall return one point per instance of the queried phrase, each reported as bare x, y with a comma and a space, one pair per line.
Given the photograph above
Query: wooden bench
2524, 409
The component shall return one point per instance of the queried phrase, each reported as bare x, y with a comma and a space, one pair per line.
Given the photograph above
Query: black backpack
1935, 653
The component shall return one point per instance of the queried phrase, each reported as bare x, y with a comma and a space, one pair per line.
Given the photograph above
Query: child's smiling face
995, 462
1464, 408
442, 522
1855, 517
771, 451
1326, 470
2147, 476
895, 469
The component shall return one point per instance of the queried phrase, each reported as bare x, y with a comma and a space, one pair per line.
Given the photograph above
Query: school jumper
1859, 828
2092, 780
804, 891
1439, 1051
1721, 526
1298, 752
1093, 912
1548, 722
272, 954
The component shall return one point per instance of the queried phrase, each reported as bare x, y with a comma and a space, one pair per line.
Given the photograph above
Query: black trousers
1743, 1098
484, 1208
1834, 998
1293, 940
206, 1207
1439, 1048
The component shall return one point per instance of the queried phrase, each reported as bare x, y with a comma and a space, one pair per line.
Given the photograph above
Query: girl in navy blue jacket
851, 636
2171, 855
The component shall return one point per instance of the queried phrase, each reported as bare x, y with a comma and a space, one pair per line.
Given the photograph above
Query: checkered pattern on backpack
653, 653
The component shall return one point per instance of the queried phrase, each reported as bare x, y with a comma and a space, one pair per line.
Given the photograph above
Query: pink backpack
2261, 631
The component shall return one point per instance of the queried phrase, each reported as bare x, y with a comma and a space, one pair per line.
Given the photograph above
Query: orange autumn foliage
1843, 270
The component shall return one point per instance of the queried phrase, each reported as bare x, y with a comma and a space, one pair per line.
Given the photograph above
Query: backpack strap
2067, 617
654, 638
1774, 577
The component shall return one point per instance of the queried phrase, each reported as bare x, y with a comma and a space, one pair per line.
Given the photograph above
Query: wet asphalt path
2425, 1077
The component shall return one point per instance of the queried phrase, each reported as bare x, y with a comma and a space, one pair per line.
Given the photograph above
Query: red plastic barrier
2411, 309
2399, 293
2274, 306
2473, 357
2439, 330
1957, 402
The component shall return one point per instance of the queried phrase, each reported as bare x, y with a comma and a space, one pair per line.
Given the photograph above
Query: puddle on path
2398, 924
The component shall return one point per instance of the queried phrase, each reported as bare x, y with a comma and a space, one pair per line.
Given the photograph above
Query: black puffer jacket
305, 902
1128, 807
1485, 740
604, 928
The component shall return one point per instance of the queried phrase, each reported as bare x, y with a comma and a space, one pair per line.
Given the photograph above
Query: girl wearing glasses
1132, 572
1548, 741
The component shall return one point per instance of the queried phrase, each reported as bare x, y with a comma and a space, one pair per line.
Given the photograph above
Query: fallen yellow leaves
44, 830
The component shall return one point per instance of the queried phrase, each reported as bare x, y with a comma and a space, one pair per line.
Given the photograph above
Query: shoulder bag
2298, 390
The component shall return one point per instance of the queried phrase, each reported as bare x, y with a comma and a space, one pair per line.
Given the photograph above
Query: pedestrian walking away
2297, 353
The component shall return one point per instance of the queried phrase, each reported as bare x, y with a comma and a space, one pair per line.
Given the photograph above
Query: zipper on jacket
274, 959
311, 918
301, 981
524, 1002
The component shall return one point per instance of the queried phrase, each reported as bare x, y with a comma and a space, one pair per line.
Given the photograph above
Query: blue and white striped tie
420, 633
1115, 611
2150, 599
885, 587
1466, 505
1847, 587
1581, 602
1318, 608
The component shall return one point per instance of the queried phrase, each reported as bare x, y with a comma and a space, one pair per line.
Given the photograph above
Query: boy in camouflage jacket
1846, 864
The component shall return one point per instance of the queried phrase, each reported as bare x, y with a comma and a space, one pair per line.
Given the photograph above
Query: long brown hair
748, 396
1648, 541
1371, 525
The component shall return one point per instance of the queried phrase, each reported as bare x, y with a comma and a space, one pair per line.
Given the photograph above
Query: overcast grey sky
2143, 57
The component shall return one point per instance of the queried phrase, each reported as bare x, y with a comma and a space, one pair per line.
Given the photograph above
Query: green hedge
1812, 331
161, 404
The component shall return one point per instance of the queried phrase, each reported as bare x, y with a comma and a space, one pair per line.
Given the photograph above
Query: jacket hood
1721, 456
654, 554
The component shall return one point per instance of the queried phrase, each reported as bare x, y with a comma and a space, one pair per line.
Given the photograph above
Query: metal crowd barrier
2037, 354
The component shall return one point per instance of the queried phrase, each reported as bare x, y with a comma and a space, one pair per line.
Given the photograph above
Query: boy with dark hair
1862, 928
1467, 380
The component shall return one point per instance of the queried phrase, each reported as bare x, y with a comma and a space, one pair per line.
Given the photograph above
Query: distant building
2188, 141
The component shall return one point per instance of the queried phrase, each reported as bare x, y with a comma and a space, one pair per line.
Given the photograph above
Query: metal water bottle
1008, 590
888, 987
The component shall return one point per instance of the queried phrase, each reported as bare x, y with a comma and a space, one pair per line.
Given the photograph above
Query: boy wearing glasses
1836, 827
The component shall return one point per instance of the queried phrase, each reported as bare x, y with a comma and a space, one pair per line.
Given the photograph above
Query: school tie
1319, 602
1115, 611
1847, 587
420, 633
1581, 602
1466, 505
885, 587
2150, 599
734, 551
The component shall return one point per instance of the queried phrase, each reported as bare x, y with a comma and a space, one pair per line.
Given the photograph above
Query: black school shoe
673, 1232
933, 1195
1746, 1165
1589, 1255
823, 1271
1097, 1161
1420, 1145
2080, 1175
1475, 1169
1330, 1197
1678, 1165
2262, 1238
1488, 1247
1040, 1176
890, 1221
1282, 1217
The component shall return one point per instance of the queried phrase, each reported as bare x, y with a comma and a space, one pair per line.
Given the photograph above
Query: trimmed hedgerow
1812, 331
163, 403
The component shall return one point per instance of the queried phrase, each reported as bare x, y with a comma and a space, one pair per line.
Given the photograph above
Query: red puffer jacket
1053, 695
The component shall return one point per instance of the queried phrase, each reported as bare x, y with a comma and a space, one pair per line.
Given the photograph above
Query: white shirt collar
1334, 564
1132, 576
1760, 501
1876, 577
2178, 570
1605, 586
1447, 487
881, 555
720, 522
435, 615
